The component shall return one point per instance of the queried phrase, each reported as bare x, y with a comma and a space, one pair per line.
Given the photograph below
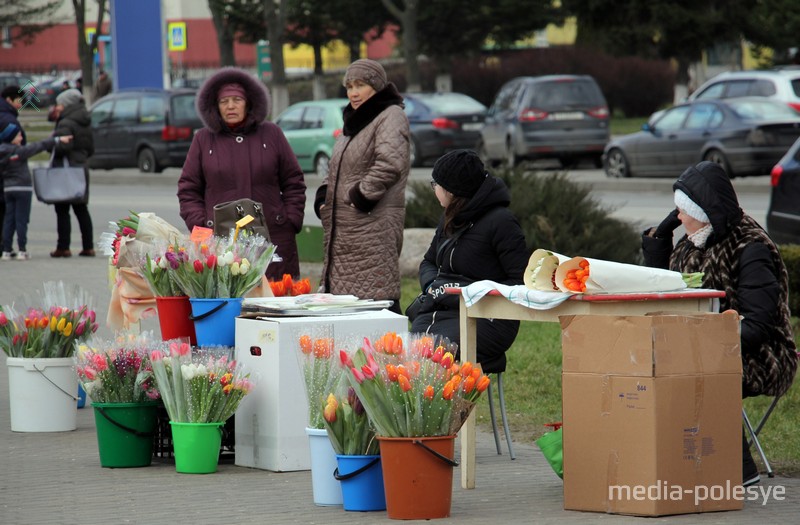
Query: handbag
227, 214
61, 185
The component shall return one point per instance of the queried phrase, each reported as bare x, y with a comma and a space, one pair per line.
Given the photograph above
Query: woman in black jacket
73, 119
478, 238
736, 256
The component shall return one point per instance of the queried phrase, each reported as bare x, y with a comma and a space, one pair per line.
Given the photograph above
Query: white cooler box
271, 420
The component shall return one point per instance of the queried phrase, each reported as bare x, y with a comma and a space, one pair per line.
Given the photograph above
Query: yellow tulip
53, 322
61, 324
67, 330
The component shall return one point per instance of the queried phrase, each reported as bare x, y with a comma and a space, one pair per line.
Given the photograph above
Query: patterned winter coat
740, 259
364, 200
254, 161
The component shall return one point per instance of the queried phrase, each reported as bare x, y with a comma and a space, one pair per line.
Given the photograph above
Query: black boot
749, 469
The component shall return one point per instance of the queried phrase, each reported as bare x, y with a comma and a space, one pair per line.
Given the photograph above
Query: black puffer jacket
491, 248
74, 120
740, 259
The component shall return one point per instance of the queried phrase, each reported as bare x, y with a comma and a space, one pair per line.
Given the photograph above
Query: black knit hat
460, 172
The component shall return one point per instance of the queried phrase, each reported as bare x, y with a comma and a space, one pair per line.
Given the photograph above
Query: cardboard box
652, 413
271, 421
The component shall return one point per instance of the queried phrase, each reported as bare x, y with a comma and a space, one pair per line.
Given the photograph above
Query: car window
507, 96
183, 107
738, 88
713, 91
672, 119
101, 113
125, 111
762, 88
566, 93
313, 117
700, 116
796, 86
761, 109
152, 109
291, 120
410, 106
454, 104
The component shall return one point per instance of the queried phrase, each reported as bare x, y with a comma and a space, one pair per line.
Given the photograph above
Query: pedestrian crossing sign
176, 36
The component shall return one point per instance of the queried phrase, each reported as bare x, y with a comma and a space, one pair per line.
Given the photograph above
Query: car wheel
717, 157
321, 165
147, 161
617, 164
511, 159
414, 156
598, 161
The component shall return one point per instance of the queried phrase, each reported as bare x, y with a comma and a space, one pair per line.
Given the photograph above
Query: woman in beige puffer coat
361, 202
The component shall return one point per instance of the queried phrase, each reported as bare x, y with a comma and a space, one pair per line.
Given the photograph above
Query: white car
778, 84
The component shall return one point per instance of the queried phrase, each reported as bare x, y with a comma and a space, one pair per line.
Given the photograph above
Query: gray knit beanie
367, 71
69, 97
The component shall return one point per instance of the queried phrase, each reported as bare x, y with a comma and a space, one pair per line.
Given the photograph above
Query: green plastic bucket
125, 433
196, 446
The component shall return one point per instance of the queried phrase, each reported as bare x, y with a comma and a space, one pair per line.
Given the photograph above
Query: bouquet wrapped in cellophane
414, 389
200, 386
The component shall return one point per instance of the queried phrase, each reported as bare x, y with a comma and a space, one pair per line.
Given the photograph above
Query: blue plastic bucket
362, 482
81, 396
214, 320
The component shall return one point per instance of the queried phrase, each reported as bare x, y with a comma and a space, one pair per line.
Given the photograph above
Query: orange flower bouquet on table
416, 388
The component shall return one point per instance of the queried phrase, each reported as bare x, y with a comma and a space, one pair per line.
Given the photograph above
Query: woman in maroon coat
238, 155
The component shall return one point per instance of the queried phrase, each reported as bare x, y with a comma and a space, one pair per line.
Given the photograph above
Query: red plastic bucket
174, 318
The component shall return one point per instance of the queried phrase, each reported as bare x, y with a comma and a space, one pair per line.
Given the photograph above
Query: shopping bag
552, 446
65, 184
226, 215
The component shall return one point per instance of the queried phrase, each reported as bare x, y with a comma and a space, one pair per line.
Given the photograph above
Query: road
643, 202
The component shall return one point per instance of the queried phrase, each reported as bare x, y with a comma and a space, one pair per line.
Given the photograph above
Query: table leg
468, 331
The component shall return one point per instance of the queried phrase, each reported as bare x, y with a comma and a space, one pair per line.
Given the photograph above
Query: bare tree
408, 20
29, 19
86, 50
275, 12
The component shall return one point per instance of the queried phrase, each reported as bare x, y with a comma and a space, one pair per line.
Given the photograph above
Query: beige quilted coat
362, 249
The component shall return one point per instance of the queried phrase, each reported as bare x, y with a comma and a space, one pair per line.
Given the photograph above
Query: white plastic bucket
42, 394
327, 489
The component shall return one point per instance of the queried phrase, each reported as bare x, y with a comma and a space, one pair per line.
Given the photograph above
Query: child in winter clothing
17, 187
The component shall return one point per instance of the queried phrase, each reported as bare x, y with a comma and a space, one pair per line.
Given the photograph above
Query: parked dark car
783, 215
746, 136
554, 116
312, 128
148, 128
441, 122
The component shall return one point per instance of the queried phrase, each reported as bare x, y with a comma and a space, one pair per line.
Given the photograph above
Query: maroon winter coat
254, 161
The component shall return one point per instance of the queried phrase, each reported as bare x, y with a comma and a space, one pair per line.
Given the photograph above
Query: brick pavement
55, 478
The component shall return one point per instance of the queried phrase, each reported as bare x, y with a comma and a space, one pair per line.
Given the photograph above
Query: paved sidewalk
56, 478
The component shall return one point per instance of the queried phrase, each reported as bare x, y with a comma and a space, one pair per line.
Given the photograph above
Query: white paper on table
614, 277
541, 267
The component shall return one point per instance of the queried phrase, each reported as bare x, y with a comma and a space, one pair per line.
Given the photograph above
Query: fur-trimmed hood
258, 100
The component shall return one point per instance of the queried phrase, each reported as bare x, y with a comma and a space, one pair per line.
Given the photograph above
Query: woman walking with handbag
240, 156
72, 118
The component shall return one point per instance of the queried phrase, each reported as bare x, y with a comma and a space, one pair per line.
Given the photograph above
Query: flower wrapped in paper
585, 275
321, 373
414, 388
199, 386
118, 370
541, 270
349, 428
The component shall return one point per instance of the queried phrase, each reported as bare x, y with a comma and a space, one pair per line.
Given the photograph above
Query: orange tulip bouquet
414, 388
321, 374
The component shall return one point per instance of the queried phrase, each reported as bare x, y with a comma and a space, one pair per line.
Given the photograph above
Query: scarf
769, 369
357, 119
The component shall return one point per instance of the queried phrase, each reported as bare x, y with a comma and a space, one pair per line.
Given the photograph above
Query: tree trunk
275, 18
411, 46
86, 50
318, 84
224, 34
681, 80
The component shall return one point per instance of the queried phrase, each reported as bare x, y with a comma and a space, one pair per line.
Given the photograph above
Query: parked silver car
555, 116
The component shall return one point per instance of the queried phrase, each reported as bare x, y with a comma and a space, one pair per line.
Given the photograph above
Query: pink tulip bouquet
117, 371
158, 266
198, 386
50, 330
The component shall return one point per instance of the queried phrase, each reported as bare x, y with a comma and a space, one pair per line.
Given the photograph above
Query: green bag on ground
552, 446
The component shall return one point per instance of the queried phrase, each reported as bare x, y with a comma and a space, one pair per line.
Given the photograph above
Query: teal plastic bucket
362, 482
214, 320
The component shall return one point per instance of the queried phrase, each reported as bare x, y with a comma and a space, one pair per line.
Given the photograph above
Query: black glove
668, 225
